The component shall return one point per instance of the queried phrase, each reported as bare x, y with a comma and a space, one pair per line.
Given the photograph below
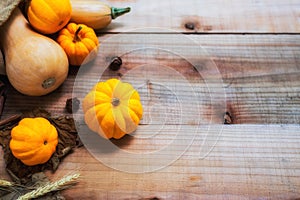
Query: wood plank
185, 91
247, 162
260, 76
214, 16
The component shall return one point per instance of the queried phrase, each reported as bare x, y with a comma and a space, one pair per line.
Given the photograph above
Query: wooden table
255, 46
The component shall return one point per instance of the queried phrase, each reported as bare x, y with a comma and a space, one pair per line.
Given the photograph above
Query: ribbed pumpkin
79, 42
112, 109
33, 140
49, 16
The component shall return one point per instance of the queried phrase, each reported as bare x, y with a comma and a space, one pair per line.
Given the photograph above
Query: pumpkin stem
116, 12
76, 37
115, 101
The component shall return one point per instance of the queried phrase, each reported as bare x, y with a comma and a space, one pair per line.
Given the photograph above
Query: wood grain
261, 81
247, 162
196, 64
260, 76
214, 16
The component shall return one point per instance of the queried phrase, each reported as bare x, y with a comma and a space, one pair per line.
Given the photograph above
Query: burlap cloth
6, 7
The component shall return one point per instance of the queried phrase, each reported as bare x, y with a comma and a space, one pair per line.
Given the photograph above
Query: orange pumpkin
49, 16
33, 140
112, 109
79, 42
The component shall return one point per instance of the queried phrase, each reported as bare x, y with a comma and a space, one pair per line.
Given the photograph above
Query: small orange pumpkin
79, 42
33, 140
49, 16
112, 109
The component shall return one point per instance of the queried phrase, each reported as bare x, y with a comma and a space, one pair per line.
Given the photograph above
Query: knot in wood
190, 26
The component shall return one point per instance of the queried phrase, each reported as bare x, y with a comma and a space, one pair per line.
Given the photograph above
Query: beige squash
35, 64
94, 13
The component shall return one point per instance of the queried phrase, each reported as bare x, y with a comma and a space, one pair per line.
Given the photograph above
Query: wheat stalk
55, 186
4, 183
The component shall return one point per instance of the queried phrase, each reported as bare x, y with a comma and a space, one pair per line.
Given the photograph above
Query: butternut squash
35, 64
94, 13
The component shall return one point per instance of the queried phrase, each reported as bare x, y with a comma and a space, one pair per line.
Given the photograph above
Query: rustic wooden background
256, 47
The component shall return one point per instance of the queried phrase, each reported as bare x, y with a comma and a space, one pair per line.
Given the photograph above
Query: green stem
76, 37
116, 12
